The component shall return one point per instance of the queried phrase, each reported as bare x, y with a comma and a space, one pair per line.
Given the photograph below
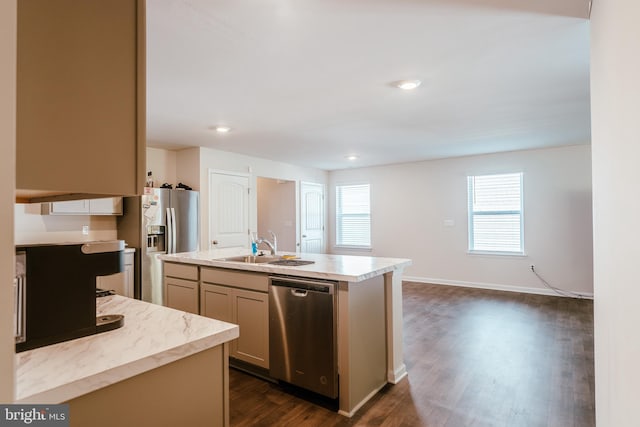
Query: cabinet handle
214, 242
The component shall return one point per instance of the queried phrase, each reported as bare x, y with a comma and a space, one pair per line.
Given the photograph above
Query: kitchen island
164, 367
369, 309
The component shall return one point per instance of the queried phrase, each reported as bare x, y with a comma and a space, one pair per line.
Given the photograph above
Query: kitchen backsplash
32, 227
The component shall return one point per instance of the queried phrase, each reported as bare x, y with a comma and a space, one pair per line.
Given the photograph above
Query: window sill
497, 253
354, 248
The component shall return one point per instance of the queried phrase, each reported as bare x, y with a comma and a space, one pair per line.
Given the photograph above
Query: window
353, 215
495, 213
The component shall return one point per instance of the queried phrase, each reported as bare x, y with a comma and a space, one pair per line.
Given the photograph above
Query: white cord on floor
559, 291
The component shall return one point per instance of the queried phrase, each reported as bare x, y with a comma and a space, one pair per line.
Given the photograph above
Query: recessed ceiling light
222, 129
408, 84
352, 157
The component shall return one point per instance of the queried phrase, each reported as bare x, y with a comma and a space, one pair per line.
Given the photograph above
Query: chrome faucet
272, 245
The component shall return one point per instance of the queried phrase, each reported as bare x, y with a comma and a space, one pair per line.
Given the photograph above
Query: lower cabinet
181, 287
247, 308
231, 296
129, 274
193, 391
121, 283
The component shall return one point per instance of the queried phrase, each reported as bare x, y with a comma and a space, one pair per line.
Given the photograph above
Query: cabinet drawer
183, 271
239, 279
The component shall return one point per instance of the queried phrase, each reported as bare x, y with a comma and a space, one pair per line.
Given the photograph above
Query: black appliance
56, 290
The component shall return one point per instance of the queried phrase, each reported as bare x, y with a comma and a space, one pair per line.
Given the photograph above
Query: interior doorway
277, 211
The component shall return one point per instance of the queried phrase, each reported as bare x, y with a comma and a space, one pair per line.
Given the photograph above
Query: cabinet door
251, 313
80, 96
216, 302
181, 294
129, 278
73, 207
106, 206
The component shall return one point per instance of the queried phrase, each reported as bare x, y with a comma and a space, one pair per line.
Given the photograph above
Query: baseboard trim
492, 286
351, 413
394, 377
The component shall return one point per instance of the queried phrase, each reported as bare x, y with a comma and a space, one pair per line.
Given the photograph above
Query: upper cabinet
105, 206
80, 99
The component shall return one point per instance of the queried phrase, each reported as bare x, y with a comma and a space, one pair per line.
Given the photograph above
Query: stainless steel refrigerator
159, 222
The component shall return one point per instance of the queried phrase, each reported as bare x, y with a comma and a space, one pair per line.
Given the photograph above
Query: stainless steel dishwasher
302, 333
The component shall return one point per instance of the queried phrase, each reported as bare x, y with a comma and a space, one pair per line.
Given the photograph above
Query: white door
228, 210
311, 217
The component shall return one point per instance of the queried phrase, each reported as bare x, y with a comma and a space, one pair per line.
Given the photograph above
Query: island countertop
152, 336
348, 268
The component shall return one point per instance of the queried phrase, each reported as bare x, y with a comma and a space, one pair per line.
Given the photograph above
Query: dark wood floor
475, 358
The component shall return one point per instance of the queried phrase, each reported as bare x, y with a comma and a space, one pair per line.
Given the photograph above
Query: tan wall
163, 165
277, 212
32, 227
8, 23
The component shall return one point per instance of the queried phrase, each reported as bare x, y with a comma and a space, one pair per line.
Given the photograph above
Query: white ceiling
308, 82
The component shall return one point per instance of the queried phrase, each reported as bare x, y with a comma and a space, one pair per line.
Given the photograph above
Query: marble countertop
348, 268
152, 336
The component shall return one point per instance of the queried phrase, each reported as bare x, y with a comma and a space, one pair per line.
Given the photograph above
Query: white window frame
337, 216
471, 214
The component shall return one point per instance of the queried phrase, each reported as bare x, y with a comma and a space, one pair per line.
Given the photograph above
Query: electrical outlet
85, 230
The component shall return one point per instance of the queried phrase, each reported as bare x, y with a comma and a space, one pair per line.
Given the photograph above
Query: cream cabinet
102, 206
80, 99
181, 287
241, 298
121, 283
129, 274
192, 391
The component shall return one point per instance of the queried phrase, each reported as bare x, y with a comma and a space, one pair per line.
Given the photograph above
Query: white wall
231, 162
410, 203
32, 227
277, 212
7, 196
615, 118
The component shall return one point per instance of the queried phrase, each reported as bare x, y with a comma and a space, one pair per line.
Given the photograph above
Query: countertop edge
120, 373
33, 384
399, 263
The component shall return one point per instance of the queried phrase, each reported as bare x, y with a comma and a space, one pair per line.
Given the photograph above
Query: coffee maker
56, 290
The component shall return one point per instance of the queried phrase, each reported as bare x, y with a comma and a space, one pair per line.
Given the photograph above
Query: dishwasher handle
303, 285
299, 292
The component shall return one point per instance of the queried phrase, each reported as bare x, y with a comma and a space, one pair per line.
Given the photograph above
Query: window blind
353, 215
495, 213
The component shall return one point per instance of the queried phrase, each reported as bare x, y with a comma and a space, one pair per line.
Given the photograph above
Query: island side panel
362, 356
193, 391
396, 369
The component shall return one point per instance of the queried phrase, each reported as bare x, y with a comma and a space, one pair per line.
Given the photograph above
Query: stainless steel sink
250, 259
264, 259
291, 262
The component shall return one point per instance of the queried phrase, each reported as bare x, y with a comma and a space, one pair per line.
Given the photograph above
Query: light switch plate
449, 223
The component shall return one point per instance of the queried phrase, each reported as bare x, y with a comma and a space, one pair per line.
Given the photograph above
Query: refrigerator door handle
169, 232
173, 230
